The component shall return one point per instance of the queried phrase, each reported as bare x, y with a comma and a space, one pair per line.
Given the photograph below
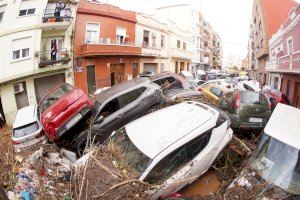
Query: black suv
119, 105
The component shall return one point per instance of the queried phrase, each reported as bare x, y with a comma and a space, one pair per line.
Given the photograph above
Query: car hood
172, 94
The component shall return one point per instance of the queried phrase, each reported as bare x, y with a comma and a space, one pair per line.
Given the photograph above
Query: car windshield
131, 156
253, 98
278, 163
54, 96
25, 130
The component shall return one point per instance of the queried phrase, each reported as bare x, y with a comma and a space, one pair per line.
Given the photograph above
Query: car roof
157, 131
120, 88
162, 75
24, 116
284, 125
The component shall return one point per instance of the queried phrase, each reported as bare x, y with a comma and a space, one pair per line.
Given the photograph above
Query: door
91, 80
21, 95
297, 95
134, 70
117, 72
150, 67
43, 85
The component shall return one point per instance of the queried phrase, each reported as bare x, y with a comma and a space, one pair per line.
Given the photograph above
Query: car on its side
62, 109
172, 147
223, 83
119, 105
277, 157
213, 92
27, 128
247, 109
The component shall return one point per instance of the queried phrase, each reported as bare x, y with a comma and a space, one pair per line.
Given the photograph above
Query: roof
284, 125
119, 88
276, 13
155, 132
24, 116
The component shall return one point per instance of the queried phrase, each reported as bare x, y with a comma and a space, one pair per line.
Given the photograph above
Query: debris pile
44, 174
102, 177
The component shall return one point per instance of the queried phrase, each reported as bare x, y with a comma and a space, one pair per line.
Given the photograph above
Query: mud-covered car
119, 105
247, 109
275, 165
62, 109
173, 146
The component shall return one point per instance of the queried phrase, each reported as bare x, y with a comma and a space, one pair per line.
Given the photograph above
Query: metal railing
53, 57
55, 15
108, 41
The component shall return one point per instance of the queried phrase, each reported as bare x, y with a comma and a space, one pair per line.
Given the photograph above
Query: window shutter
121, 32
21, 43
27, 4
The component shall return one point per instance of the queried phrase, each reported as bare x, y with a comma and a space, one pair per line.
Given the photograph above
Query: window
290, 46
27, 8
130, 97
171, 164
178, 43
146, 38
162, 41
2, 9
121, 35
217, 92
20, 48
288, 88
92, 33
184, 46
253, 98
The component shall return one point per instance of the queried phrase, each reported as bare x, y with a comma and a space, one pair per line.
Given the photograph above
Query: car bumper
238, 124
29, 143
66, 127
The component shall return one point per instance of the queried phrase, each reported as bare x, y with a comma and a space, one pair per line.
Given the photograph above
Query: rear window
26, 130
55, 96
253, 98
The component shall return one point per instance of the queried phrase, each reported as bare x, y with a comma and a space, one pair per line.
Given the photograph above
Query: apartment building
187, 25
217, 52
105, 49
267, 17
284, 63
37, 36
153, 37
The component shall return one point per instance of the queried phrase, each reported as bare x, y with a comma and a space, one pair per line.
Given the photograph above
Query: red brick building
105, 53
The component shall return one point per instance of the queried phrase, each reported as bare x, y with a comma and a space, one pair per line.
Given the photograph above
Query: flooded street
206, 184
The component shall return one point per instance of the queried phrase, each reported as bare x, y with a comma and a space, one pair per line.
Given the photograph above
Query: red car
62, 109
280, 97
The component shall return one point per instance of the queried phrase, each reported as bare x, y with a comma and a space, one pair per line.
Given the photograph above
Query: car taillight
237, 100
15, 142
200, 89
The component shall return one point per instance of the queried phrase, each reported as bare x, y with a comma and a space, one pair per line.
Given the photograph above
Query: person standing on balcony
60, 6
53, 49
67, 12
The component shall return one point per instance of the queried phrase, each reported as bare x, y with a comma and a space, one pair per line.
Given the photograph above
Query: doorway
135, 70
297, 95
91, 80
117, 73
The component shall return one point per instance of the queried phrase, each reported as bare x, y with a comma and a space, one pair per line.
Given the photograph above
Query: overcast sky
229, 18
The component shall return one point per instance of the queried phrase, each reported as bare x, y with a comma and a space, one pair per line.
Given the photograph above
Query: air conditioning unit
105, 40
18, 88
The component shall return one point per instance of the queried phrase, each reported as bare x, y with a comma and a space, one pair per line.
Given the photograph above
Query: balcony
262, 52
51, 58
152, 50
56, 20
107, 47
271, 65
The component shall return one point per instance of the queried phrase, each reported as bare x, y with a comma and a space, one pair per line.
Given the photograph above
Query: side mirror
99, 119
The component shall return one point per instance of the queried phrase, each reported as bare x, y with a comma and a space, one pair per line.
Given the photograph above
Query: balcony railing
108, 41
55, 15
53, 57
271, 65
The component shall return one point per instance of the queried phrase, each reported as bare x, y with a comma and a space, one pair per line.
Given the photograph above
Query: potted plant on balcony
65, 57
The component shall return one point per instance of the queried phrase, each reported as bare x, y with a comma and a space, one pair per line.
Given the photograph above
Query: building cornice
28, 28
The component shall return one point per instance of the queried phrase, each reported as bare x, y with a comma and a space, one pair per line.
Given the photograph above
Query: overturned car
173, 146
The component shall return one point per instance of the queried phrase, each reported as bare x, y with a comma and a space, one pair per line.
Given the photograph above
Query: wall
293, 79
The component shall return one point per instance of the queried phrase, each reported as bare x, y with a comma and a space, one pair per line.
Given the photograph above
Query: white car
226, 86
189, 77
173, 146
27, 128
251, 85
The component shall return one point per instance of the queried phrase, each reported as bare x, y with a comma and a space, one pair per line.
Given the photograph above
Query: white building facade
37, 37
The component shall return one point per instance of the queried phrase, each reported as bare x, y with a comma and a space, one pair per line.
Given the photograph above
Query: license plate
255, 120
29, 143
73, 121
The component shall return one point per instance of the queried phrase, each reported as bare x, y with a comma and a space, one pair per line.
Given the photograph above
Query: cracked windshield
150, 99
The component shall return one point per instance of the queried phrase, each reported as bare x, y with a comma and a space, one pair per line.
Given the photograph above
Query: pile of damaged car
154, 136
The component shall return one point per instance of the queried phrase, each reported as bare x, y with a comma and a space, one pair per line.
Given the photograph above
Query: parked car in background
146, 74
223, 83
173, 146
247, 109
213, 92
62, 109
170, 80
119, 105
27, 128
189, 77
277, 157
251, 85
